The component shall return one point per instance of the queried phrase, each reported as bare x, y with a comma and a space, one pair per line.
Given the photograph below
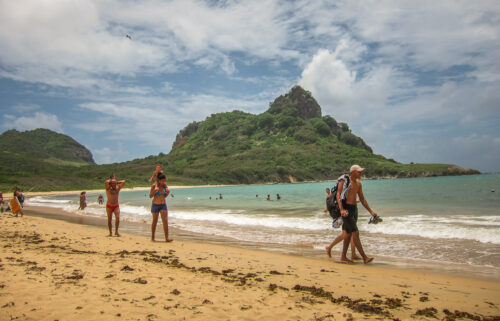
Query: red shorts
112, 207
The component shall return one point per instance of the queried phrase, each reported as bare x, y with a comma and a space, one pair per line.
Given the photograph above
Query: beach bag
331, 201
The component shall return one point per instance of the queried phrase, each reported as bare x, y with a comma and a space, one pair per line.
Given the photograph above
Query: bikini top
160, 193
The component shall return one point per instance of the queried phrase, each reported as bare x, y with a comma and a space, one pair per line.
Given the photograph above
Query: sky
419, 81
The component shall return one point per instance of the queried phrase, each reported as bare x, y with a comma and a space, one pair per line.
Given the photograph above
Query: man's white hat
356, 168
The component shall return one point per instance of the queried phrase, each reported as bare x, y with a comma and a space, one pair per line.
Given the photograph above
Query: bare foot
109, 235
346, 260
329, 251
355, 257
117, 234
368, 260
168, 240
153, 240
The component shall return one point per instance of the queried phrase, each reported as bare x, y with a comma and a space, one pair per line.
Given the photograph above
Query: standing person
346, 198
339, 238
20, 200
328, 193
220, 196
19, 196
100, 199
1, 202
159, 192
83, 200
113, 188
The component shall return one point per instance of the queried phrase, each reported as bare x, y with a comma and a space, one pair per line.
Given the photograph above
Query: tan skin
113, 188
159, 186
355, 191
339, 238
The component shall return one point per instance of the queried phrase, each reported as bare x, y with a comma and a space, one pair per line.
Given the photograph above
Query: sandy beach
54, 270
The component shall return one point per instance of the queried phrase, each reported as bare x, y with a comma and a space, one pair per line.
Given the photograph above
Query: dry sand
54, 270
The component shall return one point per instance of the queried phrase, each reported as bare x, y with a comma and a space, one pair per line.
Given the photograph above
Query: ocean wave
481, 228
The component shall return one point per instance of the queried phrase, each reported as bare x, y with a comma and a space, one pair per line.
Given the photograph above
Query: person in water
278, 197
159, 192
346, 198
113, 188
100, 199
83, 201
268, 197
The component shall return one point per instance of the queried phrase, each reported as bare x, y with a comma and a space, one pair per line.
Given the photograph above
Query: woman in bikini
159, 192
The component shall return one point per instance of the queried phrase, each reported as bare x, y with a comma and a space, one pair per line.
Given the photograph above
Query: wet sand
56, 270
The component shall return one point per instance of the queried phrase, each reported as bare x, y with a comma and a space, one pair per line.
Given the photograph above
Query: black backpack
331, 201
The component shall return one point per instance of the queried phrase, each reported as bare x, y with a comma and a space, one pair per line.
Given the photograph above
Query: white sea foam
479, 228
255, 220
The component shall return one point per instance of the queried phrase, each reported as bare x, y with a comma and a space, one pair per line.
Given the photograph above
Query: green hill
39, 151
290, 142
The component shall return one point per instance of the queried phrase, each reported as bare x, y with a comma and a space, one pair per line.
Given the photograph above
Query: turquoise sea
437, 223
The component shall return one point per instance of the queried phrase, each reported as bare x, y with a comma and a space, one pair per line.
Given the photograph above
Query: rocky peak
297, 102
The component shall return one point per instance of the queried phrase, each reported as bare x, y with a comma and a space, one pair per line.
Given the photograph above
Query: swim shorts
350, 225
156, 208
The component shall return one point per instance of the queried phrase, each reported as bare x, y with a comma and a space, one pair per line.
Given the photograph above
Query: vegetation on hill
26, 155
290, 142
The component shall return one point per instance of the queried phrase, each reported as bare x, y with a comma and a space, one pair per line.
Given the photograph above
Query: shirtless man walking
346, 198
113, 188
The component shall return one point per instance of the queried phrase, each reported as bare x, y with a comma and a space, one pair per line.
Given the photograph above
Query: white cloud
107, 155
154, 121
39, 120
366, 62
77, 44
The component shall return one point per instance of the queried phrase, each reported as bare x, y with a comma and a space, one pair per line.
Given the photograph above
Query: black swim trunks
350, 225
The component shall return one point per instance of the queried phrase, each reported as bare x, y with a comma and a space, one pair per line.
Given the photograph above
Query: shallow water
449, 223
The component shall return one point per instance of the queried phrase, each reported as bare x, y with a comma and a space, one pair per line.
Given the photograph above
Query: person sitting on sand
113, 188
159, 192
346, 198
100, 199
83, 201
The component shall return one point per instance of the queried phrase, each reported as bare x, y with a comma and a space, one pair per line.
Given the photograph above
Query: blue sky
418, 80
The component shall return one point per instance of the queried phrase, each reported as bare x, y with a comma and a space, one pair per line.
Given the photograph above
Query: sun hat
356, 168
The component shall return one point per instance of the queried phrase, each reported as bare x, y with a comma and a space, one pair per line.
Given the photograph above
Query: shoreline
92, 276
103, 191
145, 188
143, 229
